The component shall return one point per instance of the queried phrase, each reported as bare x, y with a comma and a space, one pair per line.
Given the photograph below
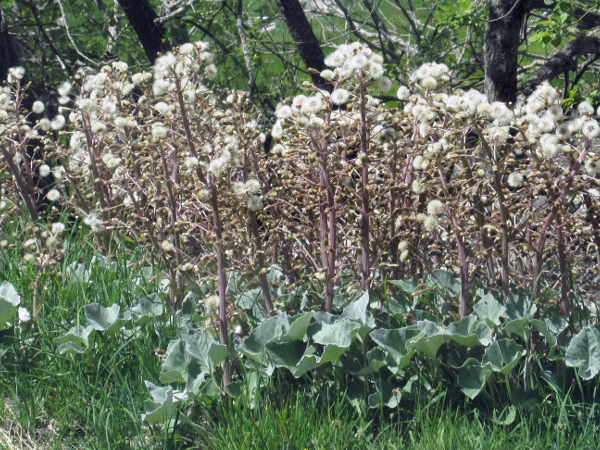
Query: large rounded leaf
584, 352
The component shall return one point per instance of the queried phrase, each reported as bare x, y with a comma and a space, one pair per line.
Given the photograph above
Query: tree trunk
152, 34
502, 37
8, 53
305, 39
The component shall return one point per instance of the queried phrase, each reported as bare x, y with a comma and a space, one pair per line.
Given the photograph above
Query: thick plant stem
541, 240
565, 307
504, 215
364, 207
223, 328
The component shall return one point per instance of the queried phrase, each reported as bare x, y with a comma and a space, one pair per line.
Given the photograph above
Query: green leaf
9, 303
340, 333
520, 306
463, 357
431, 338
503, 355
407, 286
386, 395
445, 280
163, 405
584, 352
359, 311
77, 340
395, 343
287, 353
490, 310
299, 325
470, 331
254, 344
104, 319
472, 379
174, 368
208, 352
146, 308
310, 362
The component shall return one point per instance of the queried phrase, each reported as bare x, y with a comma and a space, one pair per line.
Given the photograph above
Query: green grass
95, 400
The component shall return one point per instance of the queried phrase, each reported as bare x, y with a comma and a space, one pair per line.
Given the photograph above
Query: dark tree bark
306, 41
8, 53
563, 61
150, 32
502, 38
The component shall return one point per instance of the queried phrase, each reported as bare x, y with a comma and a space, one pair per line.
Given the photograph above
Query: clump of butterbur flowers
352, 192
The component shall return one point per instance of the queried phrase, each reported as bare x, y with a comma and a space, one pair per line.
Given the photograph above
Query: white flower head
515, 179
38, 107
340, 96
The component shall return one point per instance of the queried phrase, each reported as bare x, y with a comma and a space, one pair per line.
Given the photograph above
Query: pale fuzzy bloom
201, 46
546, 93
111, 161
404, 255
24, 315
140, 78
431, 222
418, 187
298, 101
403, 245
278, 149
162, 108
500, 113
64, 89
327, 75
28, 257
186, 49
30, 244
591, 166
424, 129
420, 163
403, 93
340, 96
590, 129
58, 122
51, 241
576, 124
549, 150
210, 71
38, 107
98, 127
74, 117
585, 109
191, 162
252, 187
158, 132
2, 206
429, 83
124, 122
555, 111
375, 71
44, 170
238, 188
419, 112
255, 203
316, 123
357, 62
385, 84
420, 217
435, 207
283, 112
53, 195
563, 132
93, 221
167, 246
58, 173
546, 124
212, 303
63, 100
58, 228
108, 107
15, 74
312, 105
499, 134
515, 180
217, 166
120, 66
372, 101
